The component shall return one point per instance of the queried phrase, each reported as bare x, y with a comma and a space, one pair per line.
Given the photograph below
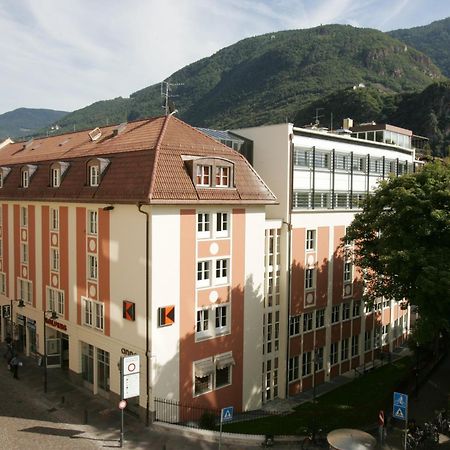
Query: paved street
31, 419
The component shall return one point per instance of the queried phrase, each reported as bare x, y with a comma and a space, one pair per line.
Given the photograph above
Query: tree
402, 244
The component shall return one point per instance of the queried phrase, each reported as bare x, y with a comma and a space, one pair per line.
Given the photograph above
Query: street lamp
20, 304
53, 316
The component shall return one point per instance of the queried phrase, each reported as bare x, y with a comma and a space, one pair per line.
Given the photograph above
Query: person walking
15, 363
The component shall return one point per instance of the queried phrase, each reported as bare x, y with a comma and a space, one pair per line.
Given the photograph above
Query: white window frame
92, 267
23, 216
356, 311
310, 275
24, 256
25, 290
202, 320
54, 219
3, 283
208, 377
92, 217
344, 349
93, 314
25, 178
294, 325
54, 259
213, 321
355, 345
335, 313
228, 367
204, 274
203, 175
203, 225
222, 314
222, 224
94, 175
55, 176
293, 369
223, 175
55, 300
222, 271
306, 364
334, 353
320, 318
348, 271
310, 240
346, 311
308, 323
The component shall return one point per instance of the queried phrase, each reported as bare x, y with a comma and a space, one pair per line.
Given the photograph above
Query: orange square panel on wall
166, 316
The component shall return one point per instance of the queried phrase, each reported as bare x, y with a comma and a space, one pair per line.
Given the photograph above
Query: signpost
129, 385
400, 410
225, 416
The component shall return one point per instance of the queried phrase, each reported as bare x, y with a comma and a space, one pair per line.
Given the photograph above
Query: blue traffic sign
400, 408
400, 399
227, 413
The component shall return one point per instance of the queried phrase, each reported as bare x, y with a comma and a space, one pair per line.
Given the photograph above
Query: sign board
400, 409
227, 413
130, 378
128, 310
122, 404
166, 316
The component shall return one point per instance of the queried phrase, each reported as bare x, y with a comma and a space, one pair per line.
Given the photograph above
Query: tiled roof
146, 164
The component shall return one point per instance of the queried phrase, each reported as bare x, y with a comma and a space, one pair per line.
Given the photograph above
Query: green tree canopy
402, 244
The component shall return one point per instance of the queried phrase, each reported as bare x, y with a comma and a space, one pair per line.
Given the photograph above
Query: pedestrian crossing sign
227, 413
400, 410
399, 413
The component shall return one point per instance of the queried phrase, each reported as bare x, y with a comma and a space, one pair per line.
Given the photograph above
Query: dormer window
55, 177
4, 171
203, 175
210, 172
96, 167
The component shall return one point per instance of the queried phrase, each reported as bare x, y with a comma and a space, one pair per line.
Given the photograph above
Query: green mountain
26, 121
427, 113
268, 78
433, 39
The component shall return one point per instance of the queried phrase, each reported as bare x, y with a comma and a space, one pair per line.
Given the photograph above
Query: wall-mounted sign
129, 380
54, 323
128, 310
166, 316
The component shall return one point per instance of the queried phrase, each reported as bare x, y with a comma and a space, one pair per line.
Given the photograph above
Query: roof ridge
157, 149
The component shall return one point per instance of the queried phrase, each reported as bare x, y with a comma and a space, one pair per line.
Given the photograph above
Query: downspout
289, 246
147, 318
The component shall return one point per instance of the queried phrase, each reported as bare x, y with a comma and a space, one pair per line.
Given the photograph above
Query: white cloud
66, 55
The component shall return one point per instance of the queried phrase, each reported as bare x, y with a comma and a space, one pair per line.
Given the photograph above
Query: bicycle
313, 439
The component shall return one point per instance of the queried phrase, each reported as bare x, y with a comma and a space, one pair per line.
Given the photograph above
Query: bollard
85, 417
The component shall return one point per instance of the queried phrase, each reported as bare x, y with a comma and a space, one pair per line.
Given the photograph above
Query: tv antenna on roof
317, 116
166, 87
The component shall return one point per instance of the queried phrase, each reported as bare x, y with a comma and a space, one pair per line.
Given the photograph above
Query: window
92, 222
87, 362
55, 300
355, 345
294, 325
203, 225
334, 353
25, 178
221, 271
24, 253
203, 175
348, 271
222, 176
293, 369
202, 320
54, 219
222, 374
222, 319
310, 239
307, 321
320, 318
345, 311
222, 224
23, 216
94, 175
103, 369
203, 273
306, 364
335, 313
344, 349
2, 283
54, 259
309, 278
318, 356
25, 289
368, 340
55, 177
93, 314
92, 267
356, 308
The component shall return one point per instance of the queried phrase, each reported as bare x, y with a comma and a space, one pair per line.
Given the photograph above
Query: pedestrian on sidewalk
15, 363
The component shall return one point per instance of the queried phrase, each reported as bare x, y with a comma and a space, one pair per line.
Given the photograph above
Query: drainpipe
147, 318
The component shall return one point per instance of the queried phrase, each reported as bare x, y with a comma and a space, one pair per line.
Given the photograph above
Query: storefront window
103, 369
87, 362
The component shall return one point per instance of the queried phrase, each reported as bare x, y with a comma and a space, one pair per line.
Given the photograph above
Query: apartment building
316, 326
145, 238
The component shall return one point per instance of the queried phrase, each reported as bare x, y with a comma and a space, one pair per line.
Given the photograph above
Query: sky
67, 54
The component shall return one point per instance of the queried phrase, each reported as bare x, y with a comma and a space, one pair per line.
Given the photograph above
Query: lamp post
20, 304
53, 316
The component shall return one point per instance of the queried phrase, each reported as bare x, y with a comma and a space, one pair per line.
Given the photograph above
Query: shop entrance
58, 351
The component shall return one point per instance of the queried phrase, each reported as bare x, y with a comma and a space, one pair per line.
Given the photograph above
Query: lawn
353, 405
